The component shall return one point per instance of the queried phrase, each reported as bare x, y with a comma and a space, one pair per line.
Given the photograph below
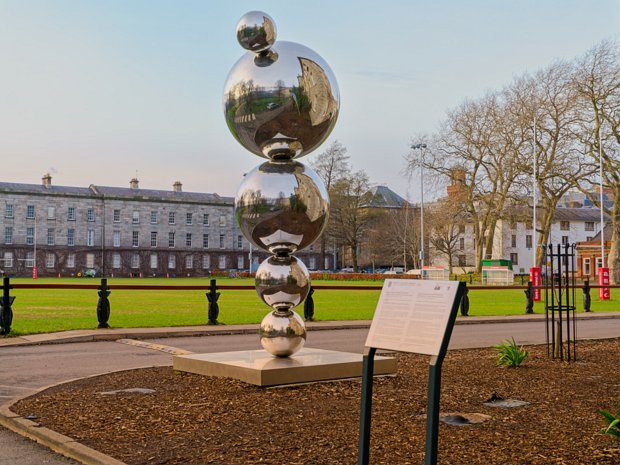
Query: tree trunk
614, 253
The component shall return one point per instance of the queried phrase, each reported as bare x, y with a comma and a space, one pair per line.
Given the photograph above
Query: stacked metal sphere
281, 101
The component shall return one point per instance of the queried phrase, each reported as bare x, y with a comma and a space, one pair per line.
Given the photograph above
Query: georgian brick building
118, 231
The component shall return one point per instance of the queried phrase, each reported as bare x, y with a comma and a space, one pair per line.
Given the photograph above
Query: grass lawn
47, 310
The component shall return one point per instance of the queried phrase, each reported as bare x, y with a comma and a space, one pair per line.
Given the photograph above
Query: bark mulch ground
191, 419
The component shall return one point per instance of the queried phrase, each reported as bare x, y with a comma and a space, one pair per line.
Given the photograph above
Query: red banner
34, 272
603, 280
536, 282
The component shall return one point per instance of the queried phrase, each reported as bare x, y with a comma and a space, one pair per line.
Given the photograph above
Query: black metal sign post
434, 393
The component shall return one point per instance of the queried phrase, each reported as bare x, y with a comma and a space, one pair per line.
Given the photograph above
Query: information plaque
412, 315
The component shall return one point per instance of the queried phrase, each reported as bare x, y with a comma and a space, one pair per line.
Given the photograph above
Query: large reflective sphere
282, 333
281, 103
256, 31
282, 206
282, 282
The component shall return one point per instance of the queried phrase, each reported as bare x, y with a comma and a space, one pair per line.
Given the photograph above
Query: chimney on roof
47, 180
133, 183
177, 187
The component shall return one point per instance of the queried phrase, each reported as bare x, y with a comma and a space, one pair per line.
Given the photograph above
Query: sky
98, 92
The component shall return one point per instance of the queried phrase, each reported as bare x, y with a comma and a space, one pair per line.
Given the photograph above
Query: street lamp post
421, 147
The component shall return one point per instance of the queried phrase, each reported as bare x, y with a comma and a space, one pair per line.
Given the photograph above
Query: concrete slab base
260, 368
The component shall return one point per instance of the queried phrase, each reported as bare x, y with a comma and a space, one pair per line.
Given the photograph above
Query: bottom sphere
282, 333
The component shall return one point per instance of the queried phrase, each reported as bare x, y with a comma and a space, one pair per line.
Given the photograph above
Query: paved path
29, 364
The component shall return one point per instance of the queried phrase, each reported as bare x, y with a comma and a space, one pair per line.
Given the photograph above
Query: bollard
586, 296
309, 306
6, 312
214, 309
529, 298
103, 305
465, 301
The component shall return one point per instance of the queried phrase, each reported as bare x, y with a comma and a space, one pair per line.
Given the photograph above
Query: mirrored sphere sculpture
282, 333
256, 31
282, 206
281, 101
282, 282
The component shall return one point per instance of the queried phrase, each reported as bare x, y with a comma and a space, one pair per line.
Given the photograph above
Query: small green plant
509, 354
613, 420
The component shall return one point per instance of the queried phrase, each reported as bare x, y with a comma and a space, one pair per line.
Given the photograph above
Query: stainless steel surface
281, 103
282, 333
282, 206
256, 31
282, 282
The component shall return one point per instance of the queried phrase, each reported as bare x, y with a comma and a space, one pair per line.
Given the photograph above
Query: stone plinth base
263, 369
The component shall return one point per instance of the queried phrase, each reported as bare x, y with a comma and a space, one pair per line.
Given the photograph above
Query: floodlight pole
600, 177
421, 147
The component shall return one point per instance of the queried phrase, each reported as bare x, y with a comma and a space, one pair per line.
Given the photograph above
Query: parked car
347, 270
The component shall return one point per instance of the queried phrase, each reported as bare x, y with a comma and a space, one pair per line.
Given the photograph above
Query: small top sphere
256, 31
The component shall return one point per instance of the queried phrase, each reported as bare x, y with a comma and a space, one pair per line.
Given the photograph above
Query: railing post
103, 305
214, 309
6, 312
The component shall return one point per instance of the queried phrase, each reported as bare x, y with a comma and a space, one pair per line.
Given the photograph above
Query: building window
205, 241
586, 267
29, 236
312, 263
462, 260
30, 212
565, 225
240, 262
116, 238
116, 216
116, 261
135, 261
51, 236
222, 262
90, 260
462, 243
71, 214
514, 258
153, 217
528, 241
71, 260
135, 238
135, 217
8, 235
188, 239
513, 240
70, 237
171, 218
153, 239
29, 259
205, 219
589, 225
90, 237
222, 239
90, 215
8, 211
206, 262
172, 261
564, 240
50, 260
461, 229
51, 213
8, 259
528, 224
189, 261
189, 218
171, 239
153, 261
222, 220
239, 241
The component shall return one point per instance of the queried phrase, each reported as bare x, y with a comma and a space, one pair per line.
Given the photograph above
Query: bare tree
597, 81
331, 166
350, 218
